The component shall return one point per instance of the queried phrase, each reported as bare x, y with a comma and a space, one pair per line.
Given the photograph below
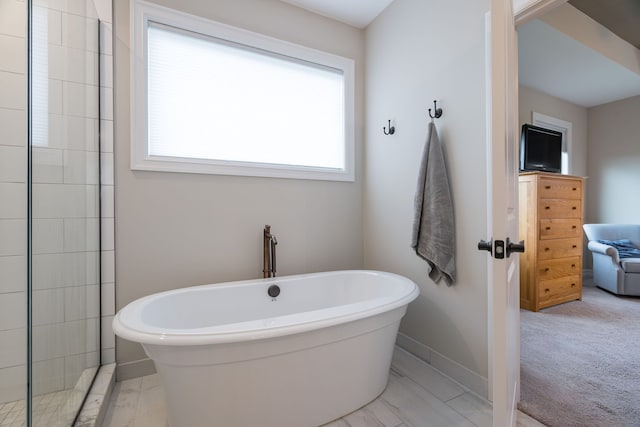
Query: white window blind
216, 103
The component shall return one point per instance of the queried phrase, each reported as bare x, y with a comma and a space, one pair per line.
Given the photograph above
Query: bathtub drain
274, 291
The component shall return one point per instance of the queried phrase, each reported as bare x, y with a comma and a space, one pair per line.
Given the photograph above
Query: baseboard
138, 368
462, 375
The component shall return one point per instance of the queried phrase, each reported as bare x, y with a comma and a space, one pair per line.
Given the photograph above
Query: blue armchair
618, 275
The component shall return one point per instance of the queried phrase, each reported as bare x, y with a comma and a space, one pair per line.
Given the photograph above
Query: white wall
418, 51
532, 100
175, 230
614, 163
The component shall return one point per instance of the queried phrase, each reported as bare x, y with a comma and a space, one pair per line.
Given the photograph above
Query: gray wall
614, 162
531, 100
418, 51
175, 230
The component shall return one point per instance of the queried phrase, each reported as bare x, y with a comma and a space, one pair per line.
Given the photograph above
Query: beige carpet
580, 361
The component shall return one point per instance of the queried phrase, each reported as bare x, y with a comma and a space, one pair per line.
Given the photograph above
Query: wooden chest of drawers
551, 209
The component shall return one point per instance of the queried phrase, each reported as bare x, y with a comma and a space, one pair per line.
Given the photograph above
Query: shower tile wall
66, 252
13, 197
66, 239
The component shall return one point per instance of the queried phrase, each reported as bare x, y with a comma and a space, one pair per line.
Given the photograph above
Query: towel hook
392, 129
438, 111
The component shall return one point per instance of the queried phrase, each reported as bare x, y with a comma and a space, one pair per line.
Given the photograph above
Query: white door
502, 182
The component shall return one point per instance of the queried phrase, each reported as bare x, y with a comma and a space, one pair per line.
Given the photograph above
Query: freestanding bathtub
232, 355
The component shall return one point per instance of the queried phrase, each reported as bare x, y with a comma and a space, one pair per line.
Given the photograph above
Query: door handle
501, 247
486, 246
514, 247
498, 252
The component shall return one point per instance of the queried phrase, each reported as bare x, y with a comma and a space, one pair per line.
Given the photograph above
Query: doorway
580, 164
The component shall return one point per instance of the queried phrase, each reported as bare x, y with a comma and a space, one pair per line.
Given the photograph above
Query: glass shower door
64, 211
13, 212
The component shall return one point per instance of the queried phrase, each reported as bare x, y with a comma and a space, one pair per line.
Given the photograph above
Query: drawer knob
547, 249
547, 228
574, 227
575, 246
546, 290
573, 266
546, 269
547, 207
574, 189
573, 285
574, 208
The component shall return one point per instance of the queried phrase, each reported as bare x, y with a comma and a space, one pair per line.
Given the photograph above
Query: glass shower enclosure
49, 210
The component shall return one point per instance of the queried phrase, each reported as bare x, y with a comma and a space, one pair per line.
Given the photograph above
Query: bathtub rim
137, 334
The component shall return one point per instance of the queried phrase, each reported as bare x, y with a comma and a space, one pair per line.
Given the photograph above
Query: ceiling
358, 13
549, 60
621, 17
556, 64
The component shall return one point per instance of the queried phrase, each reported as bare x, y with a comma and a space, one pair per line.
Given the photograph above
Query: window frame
143, 13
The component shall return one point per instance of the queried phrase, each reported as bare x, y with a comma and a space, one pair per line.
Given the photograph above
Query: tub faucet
269, 243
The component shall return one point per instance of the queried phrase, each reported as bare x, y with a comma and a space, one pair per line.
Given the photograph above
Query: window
209, 98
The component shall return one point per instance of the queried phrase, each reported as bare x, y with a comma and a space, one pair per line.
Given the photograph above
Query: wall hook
392, 129
438, 111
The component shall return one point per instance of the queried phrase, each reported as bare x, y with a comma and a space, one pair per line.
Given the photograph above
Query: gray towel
434, 237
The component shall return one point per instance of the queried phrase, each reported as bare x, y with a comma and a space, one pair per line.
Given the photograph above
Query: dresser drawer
559, 248
560, 189
560, 228
559, 290
557, 268
560, 208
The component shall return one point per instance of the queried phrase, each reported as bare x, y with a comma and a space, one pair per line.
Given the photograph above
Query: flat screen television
540, 149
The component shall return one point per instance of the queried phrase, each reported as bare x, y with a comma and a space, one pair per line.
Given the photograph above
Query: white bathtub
231, 355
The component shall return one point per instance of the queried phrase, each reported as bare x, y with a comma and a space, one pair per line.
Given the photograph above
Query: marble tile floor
49, 410
417, 396
55, 409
